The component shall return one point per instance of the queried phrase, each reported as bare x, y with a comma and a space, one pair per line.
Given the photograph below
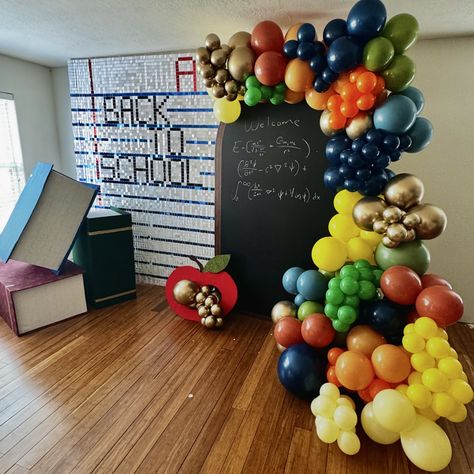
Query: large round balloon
334, 29
396, 115
227, 111
374, 430
354, 370
416, 96
329, 254
441, 304
399, 74
393, 411
266, 36
364, 339
414, 255
420, 133
287, 332
289, 279
402, 31
401, 284
301, 370
366, 19
391, 363
312, 285
378, 53
241, 62
270, 68
343, 54
426, 445
317, 330
298, 75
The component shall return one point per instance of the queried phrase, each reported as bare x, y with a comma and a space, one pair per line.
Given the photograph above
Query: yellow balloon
323, 406
346, 400
393, 410
402, 388
422, 361
415, 377
329, 254
343, 227
344, 201
437, 347
435, 380
330, 390
426, 327
345, 417
348, 442
372, 238
227, 111
326, 429
443, 404
419, 395
428, 413
358, 248
426, 445
461, 391
450, 367
459, 415
374, 430
413, 342
409, 329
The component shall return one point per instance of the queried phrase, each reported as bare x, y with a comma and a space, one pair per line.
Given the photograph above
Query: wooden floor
134, 388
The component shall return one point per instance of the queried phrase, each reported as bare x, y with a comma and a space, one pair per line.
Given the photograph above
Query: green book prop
104, 248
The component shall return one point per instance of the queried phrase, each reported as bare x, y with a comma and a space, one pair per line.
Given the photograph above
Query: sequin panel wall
145, 132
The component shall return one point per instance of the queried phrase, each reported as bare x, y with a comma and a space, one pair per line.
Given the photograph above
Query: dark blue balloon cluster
362, 164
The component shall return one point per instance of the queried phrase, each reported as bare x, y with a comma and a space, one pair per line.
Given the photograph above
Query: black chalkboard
271, 203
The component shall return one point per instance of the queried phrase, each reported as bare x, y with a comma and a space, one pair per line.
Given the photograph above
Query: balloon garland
368, 319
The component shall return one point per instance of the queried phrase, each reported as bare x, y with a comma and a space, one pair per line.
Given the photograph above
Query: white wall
31, 85
445, 69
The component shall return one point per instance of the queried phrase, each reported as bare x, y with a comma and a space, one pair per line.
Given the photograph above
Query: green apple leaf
217, 264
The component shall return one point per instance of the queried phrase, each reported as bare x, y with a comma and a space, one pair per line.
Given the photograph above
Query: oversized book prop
46, 219
32, 297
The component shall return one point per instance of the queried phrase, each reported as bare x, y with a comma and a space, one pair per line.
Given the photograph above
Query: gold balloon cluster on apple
400, 215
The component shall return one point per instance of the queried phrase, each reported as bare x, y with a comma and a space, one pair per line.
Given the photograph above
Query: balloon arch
370, 309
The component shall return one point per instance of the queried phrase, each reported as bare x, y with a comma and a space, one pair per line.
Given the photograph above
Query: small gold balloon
241, 38
207, 71
202, 55
380, 226
218, 91
209, 82
367, 210
203, 321
216, 310
232, 87
241, 62
389, 243
227, 49
212, 41
396, 232
210, 300
231, 97
324, 124
210, 322
242, 90
219, 322
411, 235
392, 214
199, 298
203, 311
404, 190
216, 294
432, 223
410, 220
280, 347
218, 57
206, 290
283, 309
359, 125
221, 76
184, 292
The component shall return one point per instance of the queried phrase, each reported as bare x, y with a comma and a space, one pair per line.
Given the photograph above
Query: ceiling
49, 32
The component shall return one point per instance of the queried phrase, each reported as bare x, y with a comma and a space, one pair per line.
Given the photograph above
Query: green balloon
252, 81
309, 307
334, 282
330, 310
280, 88
340, 326
377, 275
366, 274
253, 96
350, 271
402, 31
414, 255
277, 98
400, 74
367, 291
362, 264
349, 286
266, 92
334, 296
352, 300
346, 314
378, 53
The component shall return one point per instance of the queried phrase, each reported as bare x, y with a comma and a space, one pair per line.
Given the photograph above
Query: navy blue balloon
390, 174
320, 85
346, 171
375, 184
391, 142
345, 155
352, 184
374, 136
356, 161
366, 19
358, 143
343, 54
290, 49
405, 142
370, 152
382, 162
329, 75
306, 32
301, 370
334, 146
318, 63
363, 174
395, 155
319, 48
334, 29
305, 50
332, 179
420, 134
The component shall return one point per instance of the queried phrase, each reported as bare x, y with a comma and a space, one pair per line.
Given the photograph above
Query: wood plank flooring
134, 388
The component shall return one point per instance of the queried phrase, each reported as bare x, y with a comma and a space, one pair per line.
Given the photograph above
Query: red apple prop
213, 275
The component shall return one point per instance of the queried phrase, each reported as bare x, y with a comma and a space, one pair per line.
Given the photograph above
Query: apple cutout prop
205, 294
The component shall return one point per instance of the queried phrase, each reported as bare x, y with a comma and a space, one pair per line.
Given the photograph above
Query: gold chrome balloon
359, 125
207, 71
241, 38
222, 75
203, 311
218, 57
404, 190
241, 62
324, 124
368, 210
396, 232
202, 55
392, 214
232, 87
184, 292
218, 91
432, 223
216, 310
210, 322
283, 309
212, 41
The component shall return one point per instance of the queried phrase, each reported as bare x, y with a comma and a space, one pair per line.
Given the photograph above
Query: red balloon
270, 68
317, 330
287, 332
400, 284
441, 304
266, 36
430, 279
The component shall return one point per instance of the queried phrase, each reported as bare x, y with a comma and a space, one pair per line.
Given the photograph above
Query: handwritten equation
280, 144
247, 168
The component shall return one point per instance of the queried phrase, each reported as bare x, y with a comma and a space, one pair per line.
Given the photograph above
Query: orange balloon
354, 370
353, 75
333, 354
349, 109
364, 339
292, 33
350, 93
379, 85
366, 82
377, 386
331, 376
381, 98
334, 103
298, 75
337, 120
366, 101
365, 395
391, 363
292, 97
318, 100
340, 82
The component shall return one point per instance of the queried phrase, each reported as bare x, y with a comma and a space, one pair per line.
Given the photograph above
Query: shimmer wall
145, 132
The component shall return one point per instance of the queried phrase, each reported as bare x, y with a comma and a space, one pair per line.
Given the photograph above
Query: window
12, 176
